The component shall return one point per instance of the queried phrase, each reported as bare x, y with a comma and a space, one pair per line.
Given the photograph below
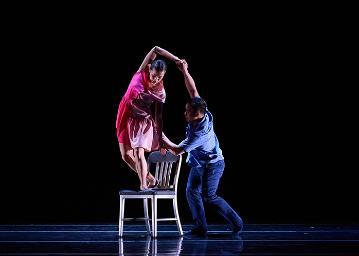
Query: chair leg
154, 216
147, 219
148, 244
154, 247
121, 217
178, 221
120, 246
179, 244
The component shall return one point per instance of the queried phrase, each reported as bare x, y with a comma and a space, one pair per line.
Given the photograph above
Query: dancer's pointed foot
153, 184
151, 181
144, 188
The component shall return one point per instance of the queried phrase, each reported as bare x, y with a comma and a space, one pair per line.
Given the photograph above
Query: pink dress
136, 125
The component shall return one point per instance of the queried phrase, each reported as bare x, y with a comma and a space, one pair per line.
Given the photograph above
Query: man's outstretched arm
187, 145
190, 84
174, 148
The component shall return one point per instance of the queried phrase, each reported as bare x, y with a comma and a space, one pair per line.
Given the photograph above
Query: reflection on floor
103, 240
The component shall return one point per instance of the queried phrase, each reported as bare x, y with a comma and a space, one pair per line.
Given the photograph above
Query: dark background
274, 84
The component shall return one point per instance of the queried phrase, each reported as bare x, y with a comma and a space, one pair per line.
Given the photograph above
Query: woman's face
156, 76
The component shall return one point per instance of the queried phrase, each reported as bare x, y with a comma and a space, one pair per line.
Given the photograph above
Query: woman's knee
127, 156
139, 153
126, 152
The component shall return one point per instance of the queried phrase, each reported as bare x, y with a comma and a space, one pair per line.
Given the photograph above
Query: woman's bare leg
128, 156
141, 166
151, 181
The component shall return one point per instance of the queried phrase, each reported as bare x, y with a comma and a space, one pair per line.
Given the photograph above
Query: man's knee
192, 192
209, 198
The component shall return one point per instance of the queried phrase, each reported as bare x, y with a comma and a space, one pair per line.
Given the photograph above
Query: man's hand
178, 62
172, 147
163, 151
182, 65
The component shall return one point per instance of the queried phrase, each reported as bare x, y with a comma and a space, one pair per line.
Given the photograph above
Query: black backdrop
279, 106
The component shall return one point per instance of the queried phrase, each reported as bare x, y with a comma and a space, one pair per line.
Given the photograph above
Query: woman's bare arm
152, 55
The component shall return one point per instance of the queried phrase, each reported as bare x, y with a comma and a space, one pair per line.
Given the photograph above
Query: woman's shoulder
138, 77
142, 72
135, 85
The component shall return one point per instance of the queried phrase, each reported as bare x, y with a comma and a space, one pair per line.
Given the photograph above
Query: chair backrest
167, 179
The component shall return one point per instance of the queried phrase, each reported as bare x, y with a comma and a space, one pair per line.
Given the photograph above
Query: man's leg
194, 199
211, 178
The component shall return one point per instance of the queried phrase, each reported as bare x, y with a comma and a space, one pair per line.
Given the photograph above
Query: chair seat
164, 192
148, 192
135, 192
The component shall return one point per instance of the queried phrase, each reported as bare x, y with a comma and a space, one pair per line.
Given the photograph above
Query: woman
138, 129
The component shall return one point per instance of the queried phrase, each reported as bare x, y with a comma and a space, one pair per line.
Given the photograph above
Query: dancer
138, 126
206, 161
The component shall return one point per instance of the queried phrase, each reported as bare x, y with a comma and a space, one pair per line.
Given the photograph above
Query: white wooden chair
166, 189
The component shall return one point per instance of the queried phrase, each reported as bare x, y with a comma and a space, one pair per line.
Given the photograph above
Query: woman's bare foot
151, 183
144, 187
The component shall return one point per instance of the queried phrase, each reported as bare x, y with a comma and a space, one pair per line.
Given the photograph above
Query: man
206, 161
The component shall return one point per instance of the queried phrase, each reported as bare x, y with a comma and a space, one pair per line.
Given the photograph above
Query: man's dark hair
198, 104
159, 65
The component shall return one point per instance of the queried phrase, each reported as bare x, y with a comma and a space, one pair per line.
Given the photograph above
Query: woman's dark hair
198, 104
159, 65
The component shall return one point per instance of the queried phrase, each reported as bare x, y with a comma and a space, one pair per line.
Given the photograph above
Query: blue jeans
202, 187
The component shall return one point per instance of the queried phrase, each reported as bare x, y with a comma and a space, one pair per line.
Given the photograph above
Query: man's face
189, 115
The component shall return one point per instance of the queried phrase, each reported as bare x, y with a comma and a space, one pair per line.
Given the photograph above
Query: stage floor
257, 239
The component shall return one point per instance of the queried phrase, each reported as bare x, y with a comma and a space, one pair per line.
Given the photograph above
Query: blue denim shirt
201, 143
